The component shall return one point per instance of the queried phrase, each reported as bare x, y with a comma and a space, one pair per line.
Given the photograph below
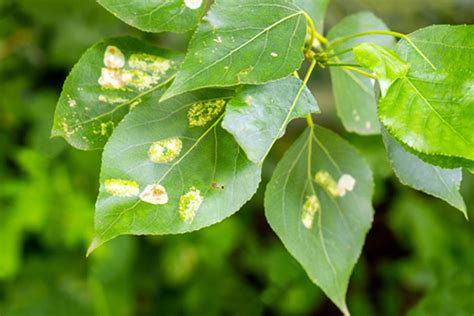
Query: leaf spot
203, 112
114, 58
189, 203
346, 184
310, 208
122, 188
154, 194
165, 150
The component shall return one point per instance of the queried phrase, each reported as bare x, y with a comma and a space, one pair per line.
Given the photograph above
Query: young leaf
354, 94
158, 15
431, 109
111, 78
384, 62
170, 168
243, 42
316, 9
258, 115
323, 225
433, 180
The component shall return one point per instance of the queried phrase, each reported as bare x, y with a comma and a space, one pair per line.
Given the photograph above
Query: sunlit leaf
431, 110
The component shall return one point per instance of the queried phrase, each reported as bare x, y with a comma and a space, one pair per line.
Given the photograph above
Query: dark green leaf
243, 42
169, 168
436, 181
158, 15
329, 244
112, 77
354, 94
432, 110
258, 115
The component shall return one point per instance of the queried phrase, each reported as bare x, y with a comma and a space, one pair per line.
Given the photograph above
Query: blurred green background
418, 258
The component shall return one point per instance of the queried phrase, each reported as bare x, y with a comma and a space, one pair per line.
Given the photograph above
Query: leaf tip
96, 243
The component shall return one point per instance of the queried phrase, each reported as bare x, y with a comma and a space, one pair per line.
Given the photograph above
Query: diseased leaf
163, 175
353, 93
316, 9
432, 110
384, 62
258, 115
243, 42
111, 78
158, 15
433, 180
322, 224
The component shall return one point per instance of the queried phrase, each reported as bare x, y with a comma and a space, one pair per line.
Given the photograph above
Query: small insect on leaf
203, 112
166, 150
310, 208
189, 203
217, 186
154, 194
123, 188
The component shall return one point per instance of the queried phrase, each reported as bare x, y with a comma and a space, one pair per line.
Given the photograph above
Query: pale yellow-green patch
324, 179
149, 63
106, 128
113, 58
154, 194
112, 99
122, 188
165, 150
111, 79
139, 79
203, 112
189, 203
310, 208
72, 103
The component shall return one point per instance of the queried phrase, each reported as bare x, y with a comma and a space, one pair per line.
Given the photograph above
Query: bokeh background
418, 258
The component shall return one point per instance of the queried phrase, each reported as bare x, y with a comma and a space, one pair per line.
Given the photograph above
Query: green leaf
111, 78
432, 110
353, 93
384, 62
228, 50
316, 9
433, 180
449, 297
170, 168
329, 245
158, 15
258, 115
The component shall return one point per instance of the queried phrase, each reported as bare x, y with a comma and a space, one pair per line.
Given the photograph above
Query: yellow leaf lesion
189, 203
203, 112
166, 150
122, 188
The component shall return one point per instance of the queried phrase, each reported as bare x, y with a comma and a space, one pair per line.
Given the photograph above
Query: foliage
185, 138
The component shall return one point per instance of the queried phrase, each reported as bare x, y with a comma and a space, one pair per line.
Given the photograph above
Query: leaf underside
354, 94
